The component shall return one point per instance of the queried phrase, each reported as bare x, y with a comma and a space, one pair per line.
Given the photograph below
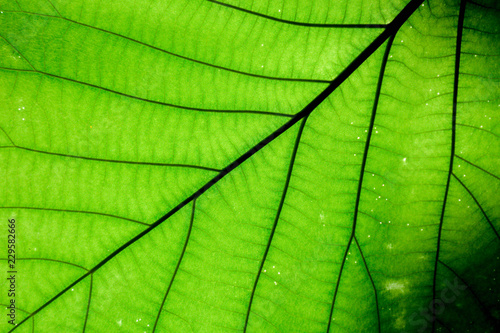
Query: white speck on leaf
395, 286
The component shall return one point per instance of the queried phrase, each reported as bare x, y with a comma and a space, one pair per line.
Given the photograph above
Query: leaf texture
255, 166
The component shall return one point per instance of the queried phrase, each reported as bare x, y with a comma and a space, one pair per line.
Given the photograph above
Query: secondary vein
276, 220
302, 24
145, 99
266, 77
452, 153
115, 161
362, 172
478, 205
188, 237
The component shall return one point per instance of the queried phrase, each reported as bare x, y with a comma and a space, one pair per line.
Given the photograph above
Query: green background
113, 113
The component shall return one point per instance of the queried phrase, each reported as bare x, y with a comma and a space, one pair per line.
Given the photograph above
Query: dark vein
18, 52
452, 153
58, 13
53, 260
266, 77
484, 308
481, 5
303, 24
344, 75
372, 282
492, 78
479, 128
88, 304
188, 237
276, 220
277, 329
22, 310
481, 54
481, 31
116, 161
474, 165
145, 99
8, 137
478, 204
362, 171
187, 322
76, 211
18, 5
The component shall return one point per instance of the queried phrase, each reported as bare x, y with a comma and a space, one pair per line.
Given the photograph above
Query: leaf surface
212, 166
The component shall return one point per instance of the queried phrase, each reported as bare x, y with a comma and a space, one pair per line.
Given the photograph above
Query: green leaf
256, 166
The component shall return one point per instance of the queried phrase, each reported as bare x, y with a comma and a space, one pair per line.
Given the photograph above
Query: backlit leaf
255, 166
